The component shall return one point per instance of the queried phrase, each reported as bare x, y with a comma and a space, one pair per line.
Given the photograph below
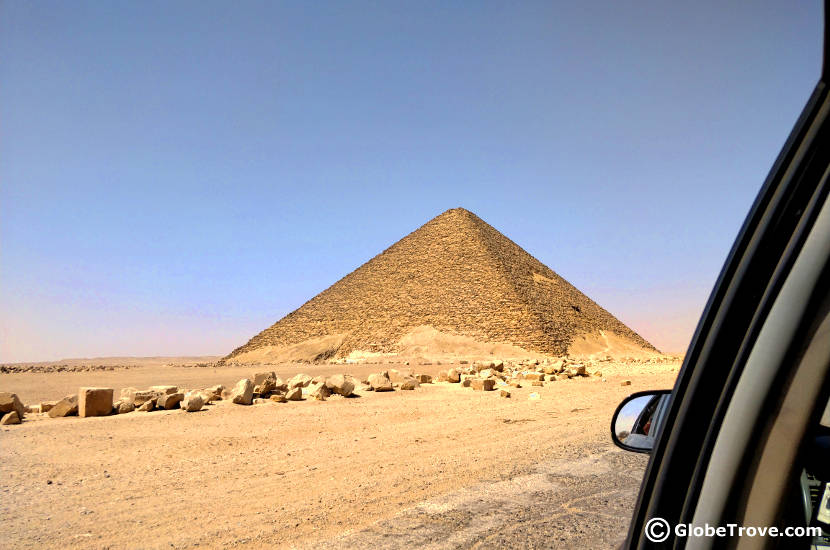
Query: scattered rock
319, 391
169, 401
124, 407
537, 383
453, 376
214, 393
534, 376
340, 384
139, 397
243, 392
294, 394
397, 376
193, 402
148, 405
380, 382
299, 381
46, 406
164, 389
279, 398
260, 377
486, 384
625, 383
504, 393
94, 402
9, 402
266, 382
67, 406
410, 384
424, 379
10, 418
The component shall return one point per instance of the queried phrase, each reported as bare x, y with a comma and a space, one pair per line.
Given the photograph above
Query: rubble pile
267, 388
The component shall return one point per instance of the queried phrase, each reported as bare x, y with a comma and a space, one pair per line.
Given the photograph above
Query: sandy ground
439, 467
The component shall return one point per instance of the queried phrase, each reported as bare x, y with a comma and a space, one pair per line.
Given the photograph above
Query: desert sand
440, 467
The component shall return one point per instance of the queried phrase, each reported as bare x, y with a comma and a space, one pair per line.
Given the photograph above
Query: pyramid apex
455, 212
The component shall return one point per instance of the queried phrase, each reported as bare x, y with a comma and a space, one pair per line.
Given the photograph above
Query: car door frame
757, 266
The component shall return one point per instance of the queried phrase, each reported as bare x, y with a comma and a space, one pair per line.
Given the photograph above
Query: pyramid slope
457, 274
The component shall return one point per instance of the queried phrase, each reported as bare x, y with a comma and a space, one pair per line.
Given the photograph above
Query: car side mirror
639, 419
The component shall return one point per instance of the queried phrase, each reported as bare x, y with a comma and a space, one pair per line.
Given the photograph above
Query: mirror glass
637, 422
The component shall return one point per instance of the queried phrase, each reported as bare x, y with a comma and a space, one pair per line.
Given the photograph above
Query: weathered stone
486, 384
243, 392
380, 382
399, 376
515, 384
537, 383
299, 381
453, 376
148, 405
10, 402
265, 382
169, 401
534, 376
213, 393
10, 418
410, 384
193, 402
424, 378
278, 398
442, 376
67, 406
319, 379
260, 377
498, 366
625, 383
124, 407
294, 394
466, 382
318, 391
504, 393
340, 384
46, 406
577, 370
261, 401
165, 389
127, 394
139, 397
94, 402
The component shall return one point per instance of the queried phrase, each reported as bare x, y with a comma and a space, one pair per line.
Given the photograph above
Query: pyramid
457, 275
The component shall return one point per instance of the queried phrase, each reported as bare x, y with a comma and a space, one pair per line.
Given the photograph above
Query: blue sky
176, 176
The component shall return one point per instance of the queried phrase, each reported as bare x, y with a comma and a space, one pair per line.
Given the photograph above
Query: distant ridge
456, 274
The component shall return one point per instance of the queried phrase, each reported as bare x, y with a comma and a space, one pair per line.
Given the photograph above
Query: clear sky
176, 176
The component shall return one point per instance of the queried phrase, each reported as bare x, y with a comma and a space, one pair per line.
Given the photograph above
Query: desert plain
441, 466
